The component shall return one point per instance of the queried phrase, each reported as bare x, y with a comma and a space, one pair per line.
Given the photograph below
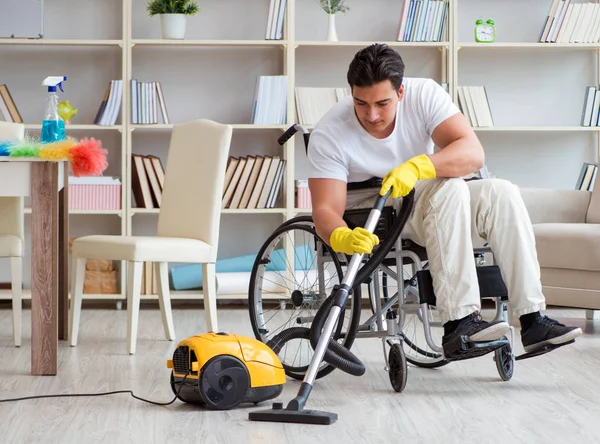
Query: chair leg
16, 271
77, 279
209, 290
161, 271
134, 287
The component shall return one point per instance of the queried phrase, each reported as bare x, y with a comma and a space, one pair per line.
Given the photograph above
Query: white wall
525, 87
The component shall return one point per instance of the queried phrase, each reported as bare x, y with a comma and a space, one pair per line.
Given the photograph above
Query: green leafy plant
188, 7
334, 6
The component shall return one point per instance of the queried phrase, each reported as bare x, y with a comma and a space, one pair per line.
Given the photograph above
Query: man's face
375, 107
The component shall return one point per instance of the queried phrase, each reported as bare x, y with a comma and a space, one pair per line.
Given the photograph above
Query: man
388, 129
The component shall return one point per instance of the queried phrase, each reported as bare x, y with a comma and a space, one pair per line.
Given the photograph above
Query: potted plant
332, 7
173, 15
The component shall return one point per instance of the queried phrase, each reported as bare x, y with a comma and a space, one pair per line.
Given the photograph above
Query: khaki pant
452, 216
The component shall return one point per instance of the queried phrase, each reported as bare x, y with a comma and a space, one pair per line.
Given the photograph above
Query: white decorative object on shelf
332, 7
173, 26
331, 31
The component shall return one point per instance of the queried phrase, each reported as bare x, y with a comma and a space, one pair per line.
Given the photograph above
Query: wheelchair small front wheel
504, 362
398, 369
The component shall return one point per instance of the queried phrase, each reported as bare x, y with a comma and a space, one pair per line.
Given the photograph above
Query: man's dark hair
376, 63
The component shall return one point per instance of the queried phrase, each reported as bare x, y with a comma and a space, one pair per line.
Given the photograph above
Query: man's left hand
403, 178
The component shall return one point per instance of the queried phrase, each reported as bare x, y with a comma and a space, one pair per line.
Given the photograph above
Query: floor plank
551, 398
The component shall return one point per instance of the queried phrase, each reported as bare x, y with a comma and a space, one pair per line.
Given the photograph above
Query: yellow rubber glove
347, 241
403, 178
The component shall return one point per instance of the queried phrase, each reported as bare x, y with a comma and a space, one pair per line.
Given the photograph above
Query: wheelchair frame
393, 328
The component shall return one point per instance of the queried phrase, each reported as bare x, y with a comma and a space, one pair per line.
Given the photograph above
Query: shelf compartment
77, 127
98, 212
526, 45
223, 211
161, 42
537, 128
250, 126
60, 42
366, 43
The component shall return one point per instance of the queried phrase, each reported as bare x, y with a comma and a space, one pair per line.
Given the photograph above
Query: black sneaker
476, 329
545, 331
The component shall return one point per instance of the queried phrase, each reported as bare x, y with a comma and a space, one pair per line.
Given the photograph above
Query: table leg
44, 267
63, 257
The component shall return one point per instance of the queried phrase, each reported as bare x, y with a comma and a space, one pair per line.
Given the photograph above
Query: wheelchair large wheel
286, 292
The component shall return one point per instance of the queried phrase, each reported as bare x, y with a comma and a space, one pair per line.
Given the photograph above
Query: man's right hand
347, 241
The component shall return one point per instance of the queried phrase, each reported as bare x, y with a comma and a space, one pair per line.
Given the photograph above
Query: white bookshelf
212, 74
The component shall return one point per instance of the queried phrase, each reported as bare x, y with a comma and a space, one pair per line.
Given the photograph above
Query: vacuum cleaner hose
336, 354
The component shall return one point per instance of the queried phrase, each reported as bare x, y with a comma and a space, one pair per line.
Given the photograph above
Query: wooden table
47, 185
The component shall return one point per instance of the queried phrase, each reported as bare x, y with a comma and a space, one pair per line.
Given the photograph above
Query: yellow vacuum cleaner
223, 370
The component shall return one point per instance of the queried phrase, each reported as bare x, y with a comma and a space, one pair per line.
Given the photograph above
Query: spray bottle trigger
60, 86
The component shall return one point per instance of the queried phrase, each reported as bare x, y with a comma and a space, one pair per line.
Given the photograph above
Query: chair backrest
593, 213
194, 179
11, 208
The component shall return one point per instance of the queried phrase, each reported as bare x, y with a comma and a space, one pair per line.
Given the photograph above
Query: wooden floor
552, 398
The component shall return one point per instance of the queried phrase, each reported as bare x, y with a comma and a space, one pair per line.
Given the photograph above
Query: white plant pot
173, 26
331, 31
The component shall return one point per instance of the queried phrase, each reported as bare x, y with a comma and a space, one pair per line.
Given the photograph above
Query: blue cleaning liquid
53, 131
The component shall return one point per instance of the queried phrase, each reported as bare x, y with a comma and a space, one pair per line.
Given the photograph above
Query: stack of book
270, 101
8, 109
111, 104
570, 22
275, 20
147, 180
252, 182
149, 279
591, 107
473, 103
587, 176
313, 102
146, 99
423, 21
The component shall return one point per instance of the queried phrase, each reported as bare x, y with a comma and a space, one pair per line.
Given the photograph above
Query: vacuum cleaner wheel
224, 382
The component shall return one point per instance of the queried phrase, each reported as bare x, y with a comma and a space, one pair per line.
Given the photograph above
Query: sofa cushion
570, 246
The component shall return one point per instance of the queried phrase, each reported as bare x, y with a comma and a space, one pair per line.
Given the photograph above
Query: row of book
109, 109
253, 181
146, 99
591, 107
587, 176
275, 20
147, 180
313, 102
8, 109
270, 101
570, 22
423, 21
474, 104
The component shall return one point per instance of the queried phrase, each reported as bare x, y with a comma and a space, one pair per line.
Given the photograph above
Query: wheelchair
293, 286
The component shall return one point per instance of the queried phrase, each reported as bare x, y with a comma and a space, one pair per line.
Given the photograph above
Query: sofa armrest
556, 206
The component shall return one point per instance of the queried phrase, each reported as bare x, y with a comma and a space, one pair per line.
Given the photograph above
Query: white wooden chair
12, 234
188, 228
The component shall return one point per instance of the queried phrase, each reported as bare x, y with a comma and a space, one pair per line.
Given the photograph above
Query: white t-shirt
340, 148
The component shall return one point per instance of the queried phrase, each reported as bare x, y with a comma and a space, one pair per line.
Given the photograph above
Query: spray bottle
53, 126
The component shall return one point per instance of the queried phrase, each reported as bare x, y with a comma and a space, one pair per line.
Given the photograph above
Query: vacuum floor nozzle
279, 414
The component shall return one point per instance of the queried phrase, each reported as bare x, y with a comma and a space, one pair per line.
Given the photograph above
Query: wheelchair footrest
462, 348
542, 350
